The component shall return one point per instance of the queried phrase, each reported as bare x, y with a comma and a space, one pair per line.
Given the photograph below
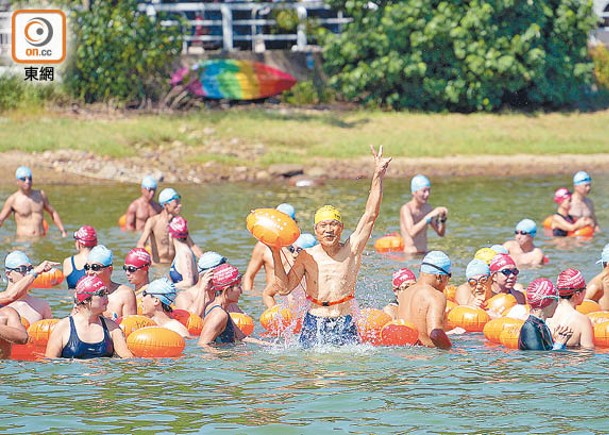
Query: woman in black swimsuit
562, 221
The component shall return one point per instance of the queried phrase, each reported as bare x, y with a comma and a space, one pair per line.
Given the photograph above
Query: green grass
296, 136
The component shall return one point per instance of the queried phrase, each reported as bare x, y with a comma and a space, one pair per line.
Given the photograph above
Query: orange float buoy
449, 306
25, 322
272, 227
122, 221
277, 319
597, 317
370, 323
588, 306
501, 303
191, 321
244, 322
132, 323
547, 222
155, 342
27, 352
40, 331
399, 333
584, 232
49, 279
601, 334
450, 291
509, 336
389, 243
493, 328
469, 318
45, 226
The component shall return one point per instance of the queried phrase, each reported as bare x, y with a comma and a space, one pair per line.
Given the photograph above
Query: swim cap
604, 255
149, 182
528, 226
167, 195
499, 249
500, 262
436, 263
305, 241
163, 290
138, 257
569, 281
561, 194
86, 235
209, 260
178, 227
16, 259
541, 292
224, 276
327, 213
581, 177
476, 268
401, 276
86, 287
22, 172
100, 254
419, 182
288, 209
485, 254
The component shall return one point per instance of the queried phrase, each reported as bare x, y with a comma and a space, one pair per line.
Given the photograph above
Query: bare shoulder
125, 289
111, 324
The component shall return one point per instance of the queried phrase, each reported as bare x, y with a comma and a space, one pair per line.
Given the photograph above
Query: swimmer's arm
256, 341
213, 326
594, 291
435, 323
537, 257
118, 340
130, 216
462, 295
408, 228
286, 283
586, 340
436, 223
56, 344
130, 303
195, 248
20, 288
54, 214
255, 264
11, 328
597, 228
268, 296
560, 223
7, 209
141, 243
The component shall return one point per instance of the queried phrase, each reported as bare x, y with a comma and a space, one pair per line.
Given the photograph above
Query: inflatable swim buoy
449, 306
38, 337
450, 291
601, 334
493, 328
45, 226
370, 323
399, 333
389, 243
272, 227
49, 279
469, 318
584, 232
547, 223
597, 317
191, 321
25, 322
122, 222
546, 260
588, 306
40, 331
132, 323
509, 336
244, 322
501, 303
277, 319
156, 342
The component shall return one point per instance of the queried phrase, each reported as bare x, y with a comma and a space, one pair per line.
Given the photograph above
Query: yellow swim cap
485, 254
327, 213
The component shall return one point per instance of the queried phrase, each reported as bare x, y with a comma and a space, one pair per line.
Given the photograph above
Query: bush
15, 93
600, 57
304, 93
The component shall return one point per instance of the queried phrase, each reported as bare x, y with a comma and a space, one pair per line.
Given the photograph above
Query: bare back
598, 289
579, 323
158, 235
424, 306
411, 215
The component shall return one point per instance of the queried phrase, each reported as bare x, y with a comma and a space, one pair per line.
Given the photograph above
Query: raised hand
380, 163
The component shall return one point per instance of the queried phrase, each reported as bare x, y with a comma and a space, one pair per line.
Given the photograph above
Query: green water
472, 388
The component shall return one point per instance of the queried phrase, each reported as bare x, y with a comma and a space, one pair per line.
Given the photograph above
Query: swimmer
598, 287
28, 206
156, 229
572, 290
535, 334
12, 331
401, 280
121, 298
330, 269
424, 303
477, 289
17, 266
143, 207
416, 215
85, 239
562, 221
581, 205
504, 275
137, 268
21, 275
522, 249
183, 270
156, 305
86, 333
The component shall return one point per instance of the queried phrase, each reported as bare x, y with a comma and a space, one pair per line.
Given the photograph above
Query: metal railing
5, 33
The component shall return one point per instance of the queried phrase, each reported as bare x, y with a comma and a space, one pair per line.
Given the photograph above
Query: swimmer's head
305, 241
402, 276
100, 255
569, 282
23, 172
561, 194
288, 209
419, 182
328, 213
210, 260
477, 268
86, 236
178, 228
225, 276
499, 249
541, 292
436, 263
88, 286
604, 256
138, 258
581, 177
526, 226
167, 195
500, 262
16, 259
149, 182
485, 254
162, 289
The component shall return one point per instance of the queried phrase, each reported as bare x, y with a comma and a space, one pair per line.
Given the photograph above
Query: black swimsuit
76, 348
557, 232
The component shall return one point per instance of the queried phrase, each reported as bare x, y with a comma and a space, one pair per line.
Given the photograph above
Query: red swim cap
541, 292
561, 194
224, 276
138, 257
501, 261
569, 281
178, 228
402, 275
86, 235
86, 287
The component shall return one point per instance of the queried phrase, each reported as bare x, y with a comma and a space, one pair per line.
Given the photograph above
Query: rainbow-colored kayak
228, 79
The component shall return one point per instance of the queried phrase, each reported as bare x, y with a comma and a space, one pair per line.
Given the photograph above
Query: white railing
5, 33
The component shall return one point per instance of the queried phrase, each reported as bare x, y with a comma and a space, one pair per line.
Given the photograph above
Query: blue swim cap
16, 259
306, 240
288, 209
100, 254
419, 182
436, 263
149, 182
209, 260
528, 226
582, 177
476, 268
22, 172
499, 249
162, 289
167, 195
604, 255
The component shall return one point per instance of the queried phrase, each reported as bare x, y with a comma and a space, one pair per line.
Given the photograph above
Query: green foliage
600, 56
308, 93
15, 93
120, 53
463, 56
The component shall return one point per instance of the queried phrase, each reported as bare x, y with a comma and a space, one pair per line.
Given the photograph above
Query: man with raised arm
330, 269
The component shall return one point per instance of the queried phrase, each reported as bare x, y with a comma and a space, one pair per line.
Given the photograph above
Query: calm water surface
472, 388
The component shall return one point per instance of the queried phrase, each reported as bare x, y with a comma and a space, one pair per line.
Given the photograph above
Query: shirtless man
330, 269
156, 229
477, 289
143, 207
417, 214
572, 290
156, 305
121, 298
522, 249
11, 331
598, 287
424, 303
581, 205
29, 205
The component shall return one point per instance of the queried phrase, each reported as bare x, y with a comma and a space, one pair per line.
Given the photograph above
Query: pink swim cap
178, 228
561, 194
401, 276
86, 235
86, 287
138, 257
225, 275
541, 292
569, 281
501, 261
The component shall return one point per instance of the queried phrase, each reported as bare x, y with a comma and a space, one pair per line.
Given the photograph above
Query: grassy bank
277, 135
